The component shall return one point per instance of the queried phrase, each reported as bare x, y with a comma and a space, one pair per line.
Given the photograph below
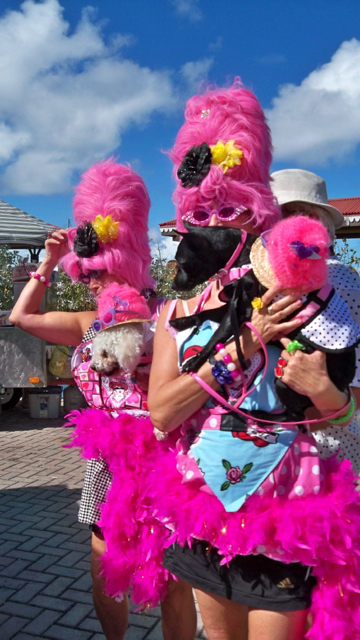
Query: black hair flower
195, 166
85, 241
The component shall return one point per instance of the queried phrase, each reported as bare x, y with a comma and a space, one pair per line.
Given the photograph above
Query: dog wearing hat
293, 254
122, 330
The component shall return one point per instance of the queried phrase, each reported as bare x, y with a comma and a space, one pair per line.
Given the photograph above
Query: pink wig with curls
224, 115
297, 249
109, 188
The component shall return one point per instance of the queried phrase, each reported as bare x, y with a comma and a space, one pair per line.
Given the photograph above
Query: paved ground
45, 589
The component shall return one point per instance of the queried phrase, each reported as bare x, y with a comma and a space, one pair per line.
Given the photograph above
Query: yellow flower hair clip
106, 228
226, 155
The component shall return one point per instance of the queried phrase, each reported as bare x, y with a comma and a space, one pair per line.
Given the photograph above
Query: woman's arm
53, 326
173, 397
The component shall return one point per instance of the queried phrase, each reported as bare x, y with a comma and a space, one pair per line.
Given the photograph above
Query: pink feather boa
321, 531
135, 539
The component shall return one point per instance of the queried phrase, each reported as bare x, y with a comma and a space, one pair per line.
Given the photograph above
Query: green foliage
73, 296
347, 254
163, 272
8, 260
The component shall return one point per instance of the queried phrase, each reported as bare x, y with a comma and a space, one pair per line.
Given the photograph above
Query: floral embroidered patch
234, 474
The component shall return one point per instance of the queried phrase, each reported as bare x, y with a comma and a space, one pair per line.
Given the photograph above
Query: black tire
10, 398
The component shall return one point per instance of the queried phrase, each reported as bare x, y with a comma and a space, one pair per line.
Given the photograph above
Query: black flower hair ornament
195, 166
86, 241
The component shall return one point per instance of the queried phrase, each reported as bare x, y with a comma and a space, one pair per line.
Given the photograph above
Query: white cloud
162, 245
319, 120
196, 72
66, 96
188, 9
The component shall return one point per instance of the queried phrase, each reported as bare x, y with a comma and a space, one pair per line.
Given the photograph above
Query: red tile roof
348, 206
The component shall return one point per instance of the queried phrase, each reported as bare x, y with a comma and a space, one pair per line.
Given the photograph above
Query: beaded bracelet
348, 415
40, 278
220, 371
224, 370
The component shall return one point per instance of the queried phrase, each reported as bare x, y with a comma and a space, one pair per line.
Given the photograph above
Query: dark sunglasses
93, 274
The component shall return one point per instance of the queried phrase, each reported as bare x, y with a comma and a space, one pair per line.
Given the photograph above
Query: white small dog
121, 347
123, 333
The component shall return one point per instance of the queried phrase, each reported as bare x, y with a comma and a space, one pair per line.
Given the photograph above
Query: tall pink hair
230, 114
109, 188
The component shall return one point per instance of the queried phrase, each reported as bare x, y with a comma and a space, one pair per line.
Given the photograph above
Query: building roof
347, 205
20, 230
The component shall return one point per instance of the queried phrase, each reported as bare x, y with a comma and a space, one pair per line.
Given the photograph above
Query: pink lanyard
235, 407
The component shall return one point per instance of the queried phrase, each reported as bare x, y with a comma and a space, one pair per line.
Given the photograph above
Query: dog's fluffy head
120, 348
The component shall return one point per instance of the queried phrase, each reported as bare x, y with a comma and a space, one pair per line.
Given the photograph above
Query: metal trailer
22, 356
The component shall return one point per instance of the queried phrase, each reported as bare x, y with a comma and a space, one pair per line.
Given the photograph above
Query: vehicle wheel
10, 398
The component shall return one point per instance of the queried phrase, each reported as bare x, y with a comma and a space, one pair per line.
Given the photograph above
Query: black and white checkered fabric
89, 335
96, 484
97, 478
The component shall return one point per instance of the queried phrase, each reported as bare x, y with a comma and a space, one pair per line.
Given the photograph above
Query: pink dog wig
224, 115
297, 250
109, 188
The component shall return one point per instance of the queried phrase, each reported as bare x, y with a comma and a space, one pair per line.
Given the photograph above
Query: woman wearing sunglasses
110, 245
249, 525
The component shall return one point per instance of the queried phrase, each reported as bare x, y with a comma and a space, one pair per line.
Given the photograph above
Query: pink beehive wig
291, 271
224, 115
109, 188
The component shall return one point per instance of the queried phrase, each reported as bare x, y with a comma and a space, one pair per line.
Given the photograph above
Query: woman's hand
270, 319
307, 373
56, 246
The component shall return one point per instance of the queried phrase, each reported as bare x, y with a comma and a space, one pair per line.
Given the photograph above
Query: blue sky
80, 83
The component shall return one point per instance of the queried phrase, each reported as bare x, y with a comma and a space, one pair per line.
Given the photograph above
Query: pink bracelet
228, 361
40, 278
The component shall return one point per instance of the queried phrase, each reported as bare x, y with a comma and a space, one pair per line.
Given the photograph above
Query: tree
164, 271
347, 254
73, 296
8, 260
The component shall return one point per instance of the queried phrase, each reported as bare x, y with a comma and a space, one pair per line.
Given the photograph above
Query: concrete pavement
45, 585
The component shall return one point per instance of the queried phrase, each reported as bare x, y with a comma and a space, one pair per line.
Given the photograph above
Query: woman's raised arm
54, 326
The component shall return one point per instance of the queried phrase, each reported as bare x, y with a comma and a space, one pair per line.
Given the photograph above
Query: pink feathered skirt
148, 508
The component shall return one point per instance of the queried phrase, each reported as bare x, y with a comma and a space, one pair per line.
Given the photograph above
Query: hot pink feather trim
135, 539
321, 531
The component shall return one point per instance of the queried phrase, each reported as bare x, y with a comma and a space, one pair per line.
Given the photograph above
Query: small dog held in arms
122, 329
293, 255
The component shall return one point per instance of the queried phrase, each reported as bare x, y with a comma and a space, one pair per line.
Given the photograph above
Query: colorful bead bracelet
40, 278
224, 371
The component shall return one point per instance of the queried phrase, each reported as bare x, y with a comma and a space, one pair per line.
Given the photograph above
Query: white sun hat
298, 185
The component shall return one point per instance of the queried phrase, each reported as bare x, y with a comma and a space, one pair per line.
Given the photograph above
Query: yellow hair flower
257, 304
106, 228
226, 155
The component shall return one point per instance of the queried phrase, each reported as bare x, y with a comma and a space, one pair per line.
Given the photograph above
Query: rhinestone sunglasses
201, 217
